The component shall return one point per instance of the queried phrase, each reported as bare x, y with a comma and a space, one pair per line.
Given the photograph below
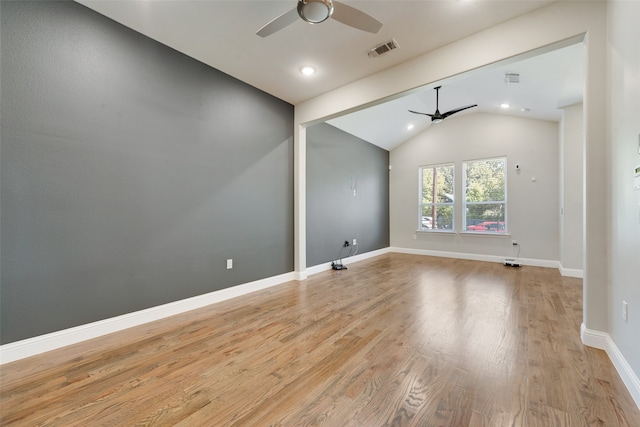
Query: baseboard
477, 257
571, 272
327, 265
300, 275
603, 341
595, 339
459, 255
43, 343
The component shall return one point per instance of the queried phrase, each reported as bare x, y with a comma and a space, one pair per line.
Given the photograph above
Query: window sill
471, 233
463, 233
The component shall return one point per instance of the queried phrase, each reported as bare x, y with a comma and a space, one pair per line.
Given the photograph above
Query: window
485, 190
436, 197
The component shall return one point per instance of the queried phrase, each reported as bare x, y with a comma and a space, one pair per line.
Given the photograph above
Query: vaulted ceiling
222, 34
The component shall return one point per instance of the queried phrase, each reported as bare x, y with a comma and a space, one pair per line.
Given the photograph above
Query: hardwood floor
395, 340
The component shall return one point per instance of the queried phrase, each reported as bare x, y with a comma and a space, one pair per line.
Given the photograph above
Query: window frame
498, 232
450, 204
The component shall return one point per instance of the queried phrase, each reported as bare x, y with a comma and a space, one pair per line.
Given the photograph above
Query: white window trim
463, 199
453, 229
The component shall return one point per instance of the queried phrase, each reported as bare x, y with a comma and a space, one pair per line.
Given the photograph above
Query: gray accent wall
347, 194
130, 173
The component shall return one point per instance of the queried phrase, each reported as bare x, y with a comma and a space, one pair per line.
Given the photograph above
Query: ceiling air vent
511, 78
383, 48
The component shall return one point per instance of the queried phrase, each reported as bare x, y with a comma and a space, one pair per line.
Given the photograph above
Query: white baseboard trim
40, 344
477, 257
300, 275
346, 261
571, 272
604, 342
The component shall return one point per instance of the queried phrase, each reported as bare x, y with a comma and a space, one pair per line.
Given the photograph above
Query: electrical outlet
229, 264
355, 242
625, 311
514, 242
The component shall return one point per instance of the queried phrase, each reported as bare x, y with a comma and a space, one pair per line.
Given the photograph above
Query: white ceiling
548, 81
222, 35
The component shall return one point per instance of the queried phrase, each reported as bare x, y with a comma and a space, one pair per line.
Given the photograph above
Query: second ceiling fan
437, 117
317, 11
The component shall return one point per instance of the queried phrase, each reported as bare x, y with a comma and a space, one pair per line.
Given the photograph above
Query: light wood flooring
394, 340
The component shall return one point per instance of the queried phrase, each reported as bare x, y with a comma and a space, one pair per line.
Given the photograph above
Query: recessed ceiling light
307, 70
410, 126
525, 110
504, 105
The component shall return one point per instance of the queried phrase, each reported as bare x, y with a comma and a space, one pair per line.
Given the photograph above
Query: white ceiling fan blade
279, 23
355, 18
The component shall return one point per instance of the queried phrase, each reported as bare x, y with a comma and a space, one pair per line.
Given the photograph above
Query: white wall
571, 188
559, 22
623, 134
532, 207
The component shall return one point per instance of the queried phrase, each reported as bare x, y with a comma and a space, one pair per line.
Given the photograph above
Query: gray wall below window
129, 173
339, 164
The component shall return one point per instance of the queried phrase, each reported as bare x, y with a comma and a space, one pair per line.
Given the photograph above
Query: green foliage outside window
436, 197
485, 189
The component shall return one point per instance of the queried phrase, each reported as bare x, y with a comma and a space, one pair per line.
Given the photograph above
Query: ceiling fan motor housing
315, 11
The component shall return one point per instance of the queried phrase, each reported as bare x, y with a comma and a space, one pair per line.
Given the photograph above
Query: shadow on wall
347, 194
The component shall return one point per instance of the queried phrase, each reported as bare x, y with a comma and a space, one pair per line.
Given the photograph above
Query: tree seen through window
485, 196
436, 197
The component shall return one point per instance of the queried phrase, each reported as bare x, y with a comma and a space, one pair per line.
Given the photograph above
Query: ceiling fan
437, 117
317, 11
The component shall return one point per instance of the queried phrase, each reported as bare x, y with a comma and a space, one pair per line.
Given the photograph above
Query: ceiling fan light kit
317, 11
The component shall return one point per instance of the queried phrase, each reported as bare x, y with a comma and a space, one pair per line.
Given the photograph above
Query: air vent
383, 48
511, 78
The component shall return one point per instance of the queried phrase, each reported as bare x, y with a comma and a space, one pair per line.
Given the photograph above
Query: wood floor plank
397, 340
